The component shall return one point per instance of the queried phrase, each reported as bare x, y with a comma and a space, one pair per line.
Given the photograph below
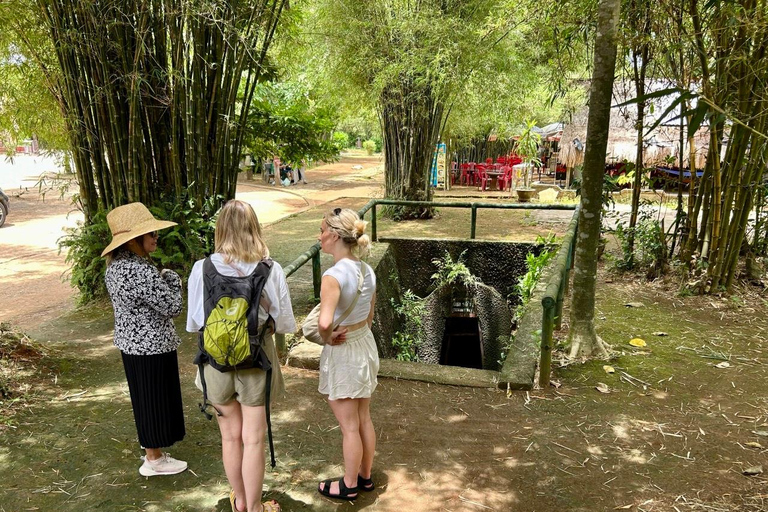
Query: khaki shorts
249, 387
246, 386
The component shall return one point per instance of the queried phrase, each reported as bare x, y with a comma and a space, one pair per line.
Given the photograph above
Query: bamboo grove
155, 92
724, 214
714, 56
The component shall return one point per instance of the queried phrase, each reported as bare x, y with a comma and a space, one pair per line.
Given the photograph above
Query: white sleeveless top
347, 273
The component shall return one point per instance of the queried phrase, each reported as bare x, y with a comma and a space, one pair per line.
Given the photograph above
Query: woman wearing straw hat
145, 300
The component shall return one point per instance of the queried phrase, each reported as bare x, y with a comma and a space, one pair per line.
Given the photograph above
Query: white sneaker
165, 465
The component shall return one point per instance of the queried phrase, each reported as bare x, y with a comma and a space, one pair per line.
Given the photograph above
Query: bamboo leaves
150, 90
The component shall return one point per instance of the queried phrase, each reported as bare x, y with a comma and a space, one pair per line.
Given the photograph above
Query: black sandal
344, 492
365, 484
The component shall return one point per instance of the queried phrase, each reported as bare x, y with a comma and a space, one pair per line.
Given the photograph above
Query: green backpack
230, 340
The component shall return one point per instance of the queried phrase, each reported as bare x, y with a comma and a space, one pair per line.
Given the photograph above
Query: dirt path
33, 275
674, 433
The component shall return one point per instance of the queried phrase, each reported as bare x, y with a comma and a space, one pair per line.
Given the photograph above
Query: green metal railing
550, 314
552, 301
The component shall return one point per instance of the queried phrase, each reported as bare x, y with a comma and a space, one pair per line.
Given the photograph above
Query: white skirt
349, 370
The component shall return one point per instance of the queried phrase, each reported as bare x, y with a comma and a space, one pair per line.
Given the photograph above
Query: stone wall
497, 264
493, 314
385, 321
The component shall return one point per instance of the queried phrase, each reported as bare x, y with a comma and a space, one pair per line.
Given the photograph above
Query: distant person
301, 172
145, 300
239, 397
286, 175
349, 362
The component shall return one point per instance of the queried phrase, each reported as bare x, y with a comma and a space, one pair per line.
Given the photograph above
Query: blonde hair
238, 233
351, 229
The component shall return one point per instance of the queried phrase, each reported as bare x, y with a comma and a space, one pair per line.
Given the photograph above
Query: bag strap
360, 283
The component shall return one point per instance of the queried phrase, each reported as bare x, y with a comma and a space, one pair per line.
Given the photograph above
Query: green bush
340, 140
84, 245
369, 146
379, 144
453, 272
178, 247
410, 310
535, 265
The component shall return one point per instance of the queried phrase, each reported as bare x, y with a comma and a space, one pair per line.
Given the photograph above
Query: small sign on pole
438, 166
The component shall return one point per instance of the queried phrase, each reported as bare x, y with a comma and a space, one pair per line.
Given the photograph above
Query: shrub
410, 310
177, 248
340, 141
369, 146
453, 272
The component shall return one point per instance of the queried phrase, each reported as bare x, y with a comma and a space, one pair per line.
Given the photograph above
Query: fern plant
407, 341
453, 272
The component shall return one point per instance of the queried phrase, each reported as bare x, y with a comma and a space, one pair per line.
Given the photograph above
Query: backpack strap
269, 323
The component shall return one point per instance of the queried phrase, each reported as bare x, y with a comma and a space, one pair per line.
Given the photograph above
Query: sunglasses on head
337, 211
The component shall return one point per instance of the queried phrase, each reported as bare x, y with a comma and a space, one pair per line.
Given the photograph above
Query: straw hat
130, 221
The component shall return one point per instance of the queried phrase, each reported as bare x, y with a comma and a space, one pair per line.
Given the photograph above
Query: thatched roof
622, 138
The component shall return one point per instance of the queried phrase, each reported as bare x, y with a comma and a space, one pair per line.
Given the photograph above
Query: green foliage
453, 272
369, 146
178, 247
610, 185
406, 341
84, 245
527, 283
284, 120
340, 141
527, 147
27, 106
650, 248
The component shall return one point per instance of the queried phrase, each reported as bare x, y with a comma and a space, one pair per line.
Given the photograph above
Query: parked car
3, 207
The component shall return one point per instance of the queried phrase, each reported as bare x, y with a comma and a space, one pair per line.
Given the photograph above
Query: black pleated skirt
153, 381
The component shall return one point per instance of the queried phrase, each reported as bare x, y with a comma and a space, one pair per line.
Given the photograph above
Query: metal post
547, 324
473, 222
560, 296
374, 237
316, 274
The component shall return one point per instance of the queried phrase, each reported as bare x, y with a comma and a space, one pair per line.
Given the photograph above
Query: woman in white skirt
349, 362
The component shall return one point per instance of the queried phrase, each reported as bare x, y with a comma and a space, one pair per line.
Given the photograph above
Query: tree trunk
411, 123
584, 339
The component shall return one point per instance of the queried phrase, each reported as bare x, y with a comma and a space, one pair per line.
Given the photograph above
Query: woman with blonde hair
240, 397
349, 362
145, 301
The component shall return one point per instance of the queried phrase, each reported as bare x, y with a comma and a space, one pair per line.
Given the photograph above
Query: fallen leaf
724, 364
634, 304
660, 333
637, 342
760, 433
625, 507
609, 369
754, 470
602, 387
753, 444
555, 384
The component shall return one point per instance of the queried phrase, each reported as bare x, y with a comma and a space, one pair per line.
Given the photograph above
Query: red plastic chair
501, 160
473, 172
481, 178
489, 161
465, 177
505, 180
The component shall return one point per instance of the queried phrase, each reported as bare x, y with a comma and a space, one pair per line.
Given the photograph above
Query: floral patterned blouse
145, 301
